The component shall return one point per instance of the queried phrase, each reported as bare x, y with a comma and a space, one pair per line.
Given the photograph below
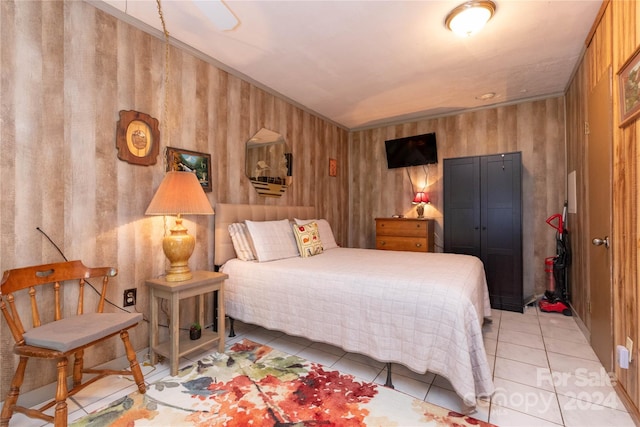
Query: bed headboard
229, 213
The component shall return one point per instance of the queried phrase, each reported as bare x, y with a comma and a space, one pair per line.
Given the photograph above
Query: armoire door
501, 228
462, 206
483, 217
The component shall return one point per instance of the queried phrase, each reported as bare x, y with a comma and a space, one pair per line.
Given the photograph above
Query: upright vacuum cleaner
556, 296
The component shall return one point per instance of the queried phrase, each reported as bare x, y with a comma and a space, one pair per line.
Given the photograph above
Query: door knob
600, 242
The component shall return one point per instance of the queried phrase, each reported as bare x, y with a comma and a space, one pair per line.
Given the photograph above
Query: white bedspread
421, 310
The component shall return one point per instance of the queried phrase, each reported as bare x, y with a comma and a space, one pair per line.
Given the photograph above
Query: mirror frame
269, 168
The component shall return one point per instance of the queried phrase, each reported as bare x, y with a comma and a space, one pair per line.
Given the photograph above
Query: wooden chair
61, 337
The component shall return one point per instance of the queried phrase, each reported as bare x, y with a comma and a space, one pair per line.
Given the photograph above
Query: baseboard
622, 393
628, 403
581, 325
531, 300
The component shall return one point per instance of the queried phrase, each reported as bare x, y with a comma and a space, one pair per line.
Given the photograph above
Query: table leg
214, 325
201, 310
153, 335
174, 332
221, 330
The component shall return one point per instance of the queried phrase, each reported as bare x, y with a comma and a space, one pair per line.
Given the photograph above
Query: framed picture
629, 83
191, 161
137, 138
333, 167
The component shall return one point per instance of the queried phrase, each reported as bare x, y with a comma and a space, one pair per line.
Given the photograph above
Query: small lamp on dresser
420, 199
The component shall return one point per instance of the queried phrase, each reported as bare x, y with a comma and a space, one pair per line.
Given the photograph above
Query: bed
421, 310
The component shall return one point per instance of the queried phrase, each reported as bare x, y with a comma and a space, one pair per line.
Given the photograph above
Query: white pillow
241, 240
326, 235
272, 240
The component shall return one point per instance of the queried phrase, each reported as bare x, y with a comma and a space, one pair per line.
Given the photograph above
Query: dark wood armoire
483, 217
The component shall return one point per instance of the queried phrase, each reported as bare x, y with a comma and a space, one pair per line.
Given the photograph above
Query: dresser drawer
407, 227
412, 244
404, 234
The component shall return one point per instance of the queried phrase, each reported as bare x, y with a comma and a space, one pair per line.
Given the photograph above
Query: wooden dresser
404, 234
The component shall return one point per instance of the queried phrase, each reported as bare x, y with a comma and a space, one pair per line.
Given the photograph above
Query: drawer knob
382, 242
418, 245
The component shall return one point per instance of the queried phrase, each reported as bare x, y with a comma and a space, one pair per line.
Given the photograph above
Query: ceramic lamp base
178, 247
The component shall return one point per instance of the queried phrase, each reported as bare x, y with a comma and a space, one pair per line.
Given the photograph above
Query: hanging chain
165, 121
166, 83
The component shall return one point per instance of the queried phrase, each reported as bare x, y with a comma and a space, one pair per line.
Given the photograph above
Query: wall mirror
268, 163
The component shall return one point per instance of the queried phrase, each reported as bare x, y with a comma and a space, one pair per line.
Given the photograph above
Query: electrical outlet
129, 297
630, 348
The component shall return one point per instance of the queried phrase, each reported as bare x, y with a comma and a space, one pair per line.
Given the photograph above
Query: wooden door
599, 195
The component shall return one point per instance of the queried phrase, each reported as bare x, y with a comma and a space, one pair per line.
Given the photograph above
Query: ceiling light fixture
218, 13
469, 18
486, 96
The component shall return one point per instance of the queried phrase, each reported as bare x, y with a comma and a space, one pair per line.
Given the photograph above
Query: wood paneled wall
625, 35
576, 102
615, 38
535, 128
67, 70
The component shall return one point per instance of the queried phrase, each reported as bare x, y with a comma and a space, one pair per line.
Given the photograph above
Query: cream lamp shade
180, 193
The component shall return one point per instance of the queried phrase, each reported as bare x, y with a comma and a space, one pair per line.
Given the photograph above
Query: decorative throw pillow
308, 239
241, 240
272, 240
328, 241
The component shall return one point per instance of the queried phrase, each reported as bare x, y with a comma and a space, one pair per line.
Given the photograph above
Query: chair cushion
73, 332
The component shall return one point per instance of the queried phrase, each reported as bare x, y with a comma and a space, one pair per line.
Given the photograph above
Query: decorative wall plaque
137, 138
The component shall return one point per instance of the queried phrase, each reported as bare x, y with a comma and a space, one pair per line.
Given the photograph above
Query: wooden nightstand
404, 234
177, 346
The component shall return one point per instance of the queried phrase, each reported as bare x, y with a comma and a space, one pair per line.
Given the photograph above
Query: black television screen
411, 151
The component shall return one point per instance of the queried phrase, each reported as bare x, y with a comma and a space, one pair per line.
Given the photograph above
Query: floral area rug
255, 385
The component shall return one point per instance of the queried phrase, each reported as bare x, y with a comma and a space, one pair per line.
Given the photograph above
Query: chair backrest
56, 275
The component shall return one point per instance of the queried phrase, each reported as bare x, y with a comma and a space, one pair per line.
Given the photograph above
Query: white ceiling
363, 63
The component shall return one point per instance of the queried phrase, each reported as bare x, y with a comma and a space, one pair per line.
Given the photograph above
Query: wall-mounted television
411, 151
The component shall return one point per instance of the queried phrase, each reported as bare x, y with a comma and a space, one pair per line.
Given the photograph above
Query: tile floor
545, 374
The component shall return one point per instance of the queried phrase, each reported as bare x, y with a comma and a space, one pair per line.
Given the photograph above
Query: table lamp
180, 193
420, 199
